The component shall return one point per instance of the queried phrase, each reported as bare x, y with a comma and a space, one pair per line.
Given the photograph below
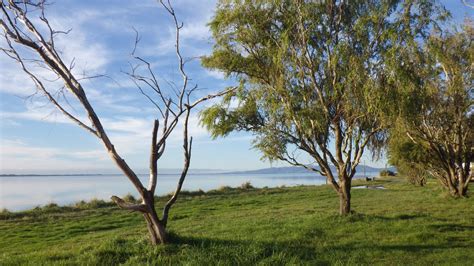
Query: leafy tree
409, 158
312, 77
436, 105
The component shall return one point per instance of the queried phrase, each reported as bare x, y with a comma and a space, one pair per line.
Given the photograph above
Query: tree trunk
345, 198
156, 230
156, 227
462, 189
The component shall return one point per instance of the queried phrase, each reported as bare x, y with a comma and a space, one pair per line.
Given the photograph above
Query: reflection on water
24, 192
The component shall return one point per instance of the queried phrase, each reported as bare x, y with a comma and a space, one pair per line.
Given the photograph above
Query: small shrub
199, 192
246, 185
97, 203
387, 173
417, 177
224, 189
130, 198
94, 203
80, 204
5, 214
187, 193
51, 205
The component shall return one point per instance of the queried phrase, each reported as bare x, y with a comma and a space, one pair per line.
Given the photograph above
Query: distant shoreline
20, 175
272, 170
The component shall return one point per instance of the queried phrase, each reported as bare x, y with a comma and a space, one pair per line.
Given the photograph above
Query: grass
299, 225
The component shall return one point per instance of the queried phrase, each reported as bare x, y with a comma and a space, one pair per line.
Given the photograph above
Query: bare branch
153, 158
187, 160
128, 206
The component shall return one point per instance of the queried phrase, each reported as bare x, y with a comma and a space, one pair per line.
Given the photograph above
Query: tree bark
156, 230
345, 198
156, 227
462, 188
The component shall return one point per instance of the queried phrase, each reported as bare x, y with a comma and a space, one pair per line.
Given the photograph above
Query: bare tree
466, 3
23, 32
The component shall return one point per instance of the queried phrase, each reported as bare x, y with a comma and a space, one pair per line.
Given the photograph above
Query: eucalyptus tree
29, 39
312, 78
436, 105
410, 159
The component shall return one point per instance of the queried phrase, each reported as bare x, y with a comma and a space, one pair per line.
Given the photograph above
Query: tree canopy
436, 106
313, 77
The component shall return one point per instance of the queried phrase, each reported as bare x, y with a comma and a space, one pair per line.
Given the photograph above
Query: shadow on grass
401, 217
361, 217
453, 227
207, 251
253, 251
193, 250
412, 248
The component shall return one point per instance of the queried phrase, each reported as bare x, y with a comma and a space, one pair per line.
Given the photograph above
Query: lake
26, 192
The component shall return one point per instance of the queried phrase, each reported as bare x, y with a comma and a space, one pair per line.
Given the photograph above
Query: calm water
24, 192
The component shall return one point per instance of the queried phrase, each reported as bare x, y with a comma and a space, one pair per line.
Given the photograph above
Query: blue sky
36, 138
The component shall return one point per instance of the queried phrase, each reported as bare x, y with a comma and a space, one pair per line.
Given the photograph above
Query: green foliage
130, 198
187, 193
411, 159
247, 185
97, 203
386, 173
435, 123
259, 226
312, 74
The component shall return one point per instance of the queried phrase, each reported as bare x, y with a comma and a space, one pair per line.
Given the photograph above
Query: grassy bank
400, 225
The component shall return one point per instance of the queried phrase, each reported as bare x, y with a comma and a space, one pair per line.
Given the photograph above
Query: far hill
301, 170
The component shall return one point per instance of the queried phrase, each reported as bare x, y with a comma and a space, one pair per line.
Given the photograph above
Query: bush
224, 188
387, 173
51, 205
130, 198
98, 203
188, 193
93, 204
80, 204
246, 185
416, 176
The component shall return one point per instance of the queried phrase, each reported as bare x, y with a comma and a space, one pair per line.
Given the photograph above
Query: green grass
400, 225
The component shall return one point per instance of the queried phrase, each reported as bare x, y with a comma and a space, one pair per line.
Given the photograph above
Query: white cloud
193, 36
195, 31
89, 56
16, 154
132, 135
46, 113
80, 47
127, 117
15, 82
215, 74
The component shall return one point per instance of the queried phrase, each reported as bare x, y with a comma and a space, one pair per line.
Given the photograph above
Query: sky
35, 138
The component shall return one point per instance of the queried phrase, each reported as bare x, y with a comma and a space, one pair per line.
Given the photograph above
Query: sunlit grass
400, 225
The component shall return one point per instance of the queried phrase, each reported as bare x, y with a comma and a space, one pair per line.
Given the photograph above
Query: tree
466, 3
312, 78
437, 105
409, 158
24, 33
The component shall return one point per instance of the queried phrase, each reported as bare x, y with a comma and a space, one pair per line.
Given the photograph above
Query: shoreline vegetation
402, 224
100, 203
